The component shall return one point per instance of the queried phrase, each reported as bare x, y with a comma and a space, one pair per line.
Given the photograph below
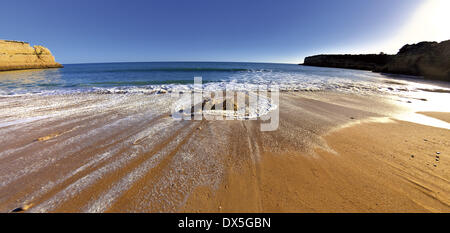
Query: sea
152, 77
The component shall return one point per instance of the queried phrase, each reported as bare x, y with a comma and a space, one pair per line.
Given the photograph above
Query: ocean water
151, 77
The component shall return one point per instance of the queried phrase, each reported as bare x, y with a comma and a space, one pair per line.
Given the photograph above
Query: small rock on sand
22, 208
48, 137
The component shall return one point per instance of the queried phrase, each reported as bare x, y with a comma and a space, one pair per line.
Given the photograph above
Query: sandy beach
332, 152
225, 116
368, 171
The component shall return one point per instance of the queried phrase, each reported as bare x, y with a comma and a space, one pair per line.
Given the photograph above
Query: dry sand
333, 152
375, 167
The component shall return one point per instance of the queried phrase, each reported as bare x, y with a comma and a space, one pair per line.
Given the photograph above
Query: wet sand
438, 115
333, 152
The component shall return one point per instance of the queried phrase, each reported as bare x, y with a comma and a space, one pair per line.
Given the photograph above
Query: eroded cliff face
428, 59
16, 55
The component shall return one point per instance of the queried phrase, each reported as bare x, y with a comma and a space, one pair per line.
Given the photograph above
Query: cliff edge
17, 55
428, 59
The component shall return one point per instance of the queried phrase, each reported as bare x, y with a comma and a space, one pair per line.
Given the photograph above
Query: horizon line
180, 62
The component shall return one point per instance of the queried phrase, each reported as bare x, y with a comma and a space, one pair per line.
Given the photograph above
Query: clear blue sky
81, 31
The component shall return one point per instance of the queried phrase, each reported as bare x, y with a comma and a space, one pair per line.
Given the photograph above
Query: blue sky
82, 31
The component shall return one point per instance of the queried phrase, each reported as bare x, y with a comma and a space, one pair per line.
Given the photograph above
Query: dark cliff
428, 59
360, 62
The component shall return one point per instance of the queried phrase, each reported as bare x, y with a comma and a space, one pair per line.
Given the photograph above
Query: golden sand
373, 167
124, 153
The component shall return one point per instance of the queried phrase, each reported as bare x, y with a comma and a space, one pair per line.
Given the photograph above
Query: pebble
17, 210
22, 208
438, 153
412, 156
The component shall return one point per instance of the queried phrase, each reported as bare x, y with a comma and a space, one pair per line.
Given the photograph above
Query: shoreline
124, 153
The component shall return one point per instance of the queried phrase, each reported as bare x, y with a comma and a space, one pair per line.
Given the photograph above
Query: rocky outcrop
16, 55
428, 59
360, 62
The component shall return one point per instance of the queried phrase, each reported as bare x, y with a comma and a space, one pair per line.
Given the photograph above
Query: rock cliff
428, 59
360, 62
16, 55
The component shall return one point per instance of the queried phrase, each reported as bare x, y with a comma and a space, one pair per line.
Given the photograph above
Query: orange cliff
17, 55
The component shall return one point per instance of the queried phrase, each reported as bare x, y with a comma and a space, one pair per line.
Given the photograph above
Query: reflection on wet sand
124, 153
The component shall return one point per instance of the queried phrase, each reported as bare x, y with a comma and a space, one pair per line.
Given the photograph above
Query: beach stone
48, 137
22, 208
17, 210
221, 105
